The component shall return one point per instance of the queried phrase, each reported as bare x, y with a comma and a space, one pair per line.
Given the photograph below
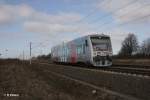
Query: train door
88, 50
73, 53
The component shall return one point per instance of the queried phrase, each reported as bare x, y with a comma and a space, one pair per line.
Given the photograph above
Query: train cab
101, 50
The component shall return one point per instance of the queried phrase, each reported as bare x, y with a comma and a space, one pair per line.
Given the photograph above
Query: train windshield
100, 43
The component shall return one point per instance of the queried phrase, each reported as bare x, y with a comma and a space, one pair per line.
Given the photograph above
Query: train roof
90, 35
101, 35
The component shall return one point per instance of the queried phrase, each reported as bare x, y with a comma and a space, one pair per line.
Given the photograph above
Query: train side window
86, 43
79, 49
83, 48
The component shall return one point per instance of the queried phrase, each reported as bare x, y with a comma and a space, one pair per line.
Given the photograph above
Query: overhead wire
106, 23
106, 15
88, 15
112, 12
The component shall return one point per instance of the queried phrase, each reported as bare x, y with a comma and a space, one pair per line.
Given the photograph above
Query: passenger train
95, 50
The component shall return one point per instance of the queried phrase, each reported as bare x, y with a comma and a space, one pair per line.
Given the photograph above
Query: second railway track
128, 70
122, 69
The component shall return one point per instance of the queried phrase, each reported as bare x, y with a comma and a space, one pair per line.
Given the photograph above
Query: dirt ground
25, 83
18, 79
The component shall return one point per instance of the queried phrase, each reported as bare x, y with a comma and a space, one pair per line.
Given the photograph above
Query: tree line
44, 57
131, 48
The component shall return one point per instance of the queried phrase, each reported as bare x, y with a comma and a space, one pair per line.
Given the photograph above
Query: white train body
95, 50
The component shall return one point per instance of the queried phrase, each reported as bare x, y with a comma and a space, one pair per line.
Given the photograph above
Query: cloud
127, 11
11, 14
57, 23
6, 14
61, 17
41, 27
41, 22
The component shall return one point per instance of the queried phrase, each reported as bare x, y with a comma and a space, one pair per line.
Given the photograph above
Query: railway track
87, 77
132, 66
125, 69
128, 70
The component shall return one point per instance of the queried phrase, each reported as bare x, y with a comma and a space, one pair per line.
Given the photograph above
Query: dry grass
32, 84
16, 78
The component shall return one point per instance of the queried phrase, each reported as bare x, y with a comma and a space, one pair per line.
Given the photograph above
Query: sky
47, 23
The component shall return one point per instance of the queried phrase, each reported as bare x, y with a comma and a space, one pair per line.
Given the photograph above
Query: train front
102, 50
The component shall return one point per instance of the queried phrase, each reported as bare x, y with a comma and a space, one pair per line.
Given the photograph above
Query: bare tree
129, 45
145, 47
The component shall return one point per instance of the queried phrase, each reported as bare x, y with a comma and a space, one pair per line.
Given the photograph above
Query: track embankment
129, 85
134, 63
128, 70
